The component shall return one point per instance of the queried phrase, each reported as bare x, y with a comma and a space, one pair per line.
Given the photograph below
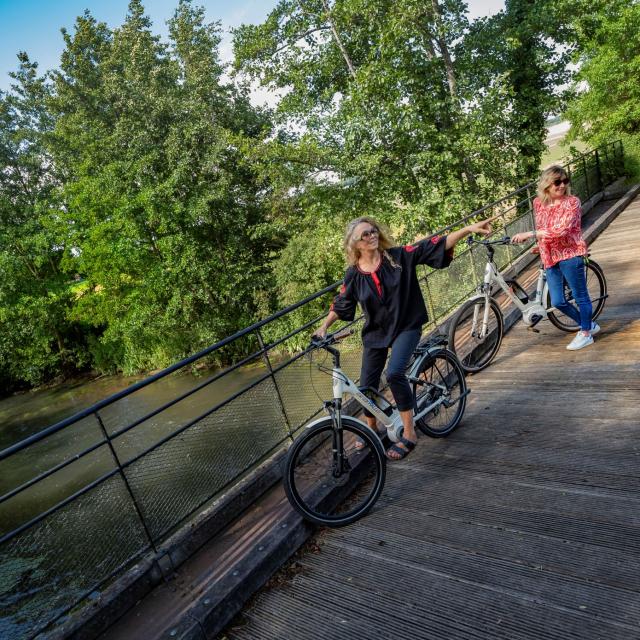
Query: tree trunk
336, 36
444, 51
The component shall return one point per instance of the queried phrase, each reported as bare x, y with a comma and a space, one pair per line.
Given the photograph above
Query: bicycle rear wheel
476, 353
315, 487
439, 377
597, 287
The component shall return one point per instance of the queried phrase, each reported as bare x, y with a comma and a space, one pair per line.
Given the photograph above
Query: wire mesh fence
84, 499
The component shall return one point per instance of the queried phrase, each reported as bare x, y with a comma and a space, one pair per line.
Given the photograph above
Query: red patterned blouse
560, 225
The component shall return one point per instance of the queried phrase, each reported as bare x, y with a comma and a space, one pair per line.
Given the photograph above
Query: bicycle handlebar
504, 240
322, 343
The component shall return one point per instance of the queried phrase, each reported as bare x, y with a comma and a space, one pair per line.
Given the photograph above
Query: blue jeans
373, 360
573, 271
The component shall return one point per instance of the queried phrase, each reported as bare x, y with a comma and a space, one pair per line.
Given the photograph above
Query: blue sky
34, 25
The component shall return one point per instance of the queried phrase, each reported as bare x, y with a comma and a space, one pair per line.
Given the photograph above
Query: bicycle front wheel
439, 383
476, 349
597, 287
332, 483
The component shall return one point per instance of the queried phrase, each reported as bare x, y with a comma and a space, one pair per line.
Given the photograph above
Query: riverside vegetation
148, 209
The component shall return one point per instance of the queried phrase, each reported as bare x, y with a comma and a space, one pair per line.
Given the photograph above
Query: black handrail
36, 437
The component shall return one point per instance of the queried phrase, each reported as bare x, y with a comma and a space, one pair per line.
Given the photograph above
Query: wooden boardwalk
524, 524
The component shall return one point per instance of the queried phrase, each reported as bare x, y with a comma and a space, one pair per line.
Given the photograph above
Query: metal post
504, 233
586, 177
430, 305
126, 482
599, 172
275, 382
607, 165
533, 222
620, 145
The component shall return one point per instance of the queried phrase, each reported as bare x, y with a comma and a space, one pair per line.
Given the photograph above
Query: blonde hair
546, 178
385, 240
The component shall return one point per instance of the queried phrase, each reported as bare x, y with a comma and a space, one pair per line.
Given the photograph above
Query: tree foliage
161, 200
36, 337
418, 115
147, 209
606, 94
130, 202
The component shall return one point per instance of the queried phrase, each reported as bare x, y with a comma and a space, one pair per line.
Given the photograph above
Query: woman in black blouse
382, 278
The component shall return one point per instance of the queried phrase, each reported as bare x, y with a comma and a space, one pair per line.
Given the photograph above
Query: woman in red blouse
382, 279
558, 231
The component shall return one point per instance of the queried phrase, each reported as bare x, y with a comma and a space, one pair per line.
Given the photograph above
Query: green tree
37, 338
160, 203
517, 60
417, 116
605, 104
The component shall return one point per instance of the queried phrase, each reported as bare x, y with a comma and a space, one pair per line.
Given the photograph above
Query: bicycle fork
340, 460
481, 332
480, 326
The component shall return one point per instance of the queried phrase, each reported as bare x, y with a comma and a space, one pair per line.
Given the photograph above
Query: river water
24, 414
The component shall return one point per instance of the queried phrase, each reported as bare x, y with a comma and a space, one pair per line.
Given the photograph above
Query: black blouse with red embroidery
390, 296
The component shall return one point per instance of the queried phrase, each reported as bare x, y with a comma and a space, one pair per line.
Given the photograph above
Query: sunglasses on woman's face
558, 181
365, 235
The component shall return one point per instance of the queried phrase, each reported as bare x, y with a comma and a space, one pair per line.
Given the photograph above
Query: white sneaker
595, 327
580, 341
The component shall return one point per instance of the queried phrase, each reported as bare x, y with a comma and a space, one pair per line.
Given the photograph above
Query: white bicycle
335, 470
477, 328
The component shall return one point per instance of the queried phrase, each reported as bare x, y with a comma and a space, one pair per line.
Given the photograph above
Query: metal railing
84, 499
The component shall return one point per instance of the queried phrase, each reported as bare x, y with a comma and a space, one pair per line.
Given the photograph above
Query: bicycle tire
473, 354
439, 369
597, 286
313, 489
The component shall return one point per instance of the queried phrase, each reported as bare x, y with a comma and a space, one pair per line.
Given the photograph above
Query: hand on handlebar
519, 238
319, 337
319, 334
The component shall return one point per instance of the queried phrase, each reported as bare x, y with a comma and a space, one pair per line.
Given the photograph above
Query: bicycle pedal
534, 321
